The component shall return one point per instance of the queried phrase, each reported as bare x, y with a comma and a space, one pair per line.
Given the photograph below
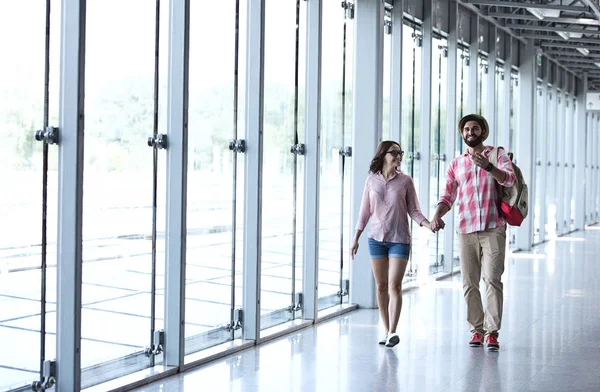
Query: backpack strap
494, 155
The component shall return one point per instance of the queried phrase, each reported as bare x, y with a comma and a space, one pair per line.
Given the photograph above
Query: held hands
436, 225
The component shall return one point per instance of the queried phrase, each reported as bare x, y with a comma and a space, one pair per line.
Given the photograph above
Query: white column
451, 124
177, 168
255, 57
367, 114
473, 66
314, 27
70, 199
396, 71
527, 88
551, 159
560, 158
579, 151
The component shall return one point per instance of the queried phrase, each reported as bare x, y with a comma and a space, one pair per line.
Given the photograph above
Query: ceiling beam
575, 21
516, 4
594, 7
558, 38
570, 46
552, 28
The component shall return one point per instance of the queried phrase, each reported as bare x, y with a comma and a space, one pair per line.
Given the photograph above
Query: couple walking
389, 197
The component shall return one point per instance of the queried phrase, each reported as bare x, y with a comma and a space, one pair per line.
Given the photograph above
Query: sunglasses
395, 153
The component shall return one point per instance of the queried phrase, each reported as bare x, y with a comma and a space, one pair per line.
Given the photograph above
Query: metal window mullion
579, 154
560, 158
525, 152
542, 138
491, 88
504, 130
70, 199
314, 29
451, 123
596, 148
425, 136
255, 49
551, 159
568, 142
396, 68
473, 65
366, 128
177, 169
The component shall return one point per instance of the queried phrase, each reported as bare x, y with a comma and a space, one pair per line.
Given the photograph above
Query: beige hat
485, 128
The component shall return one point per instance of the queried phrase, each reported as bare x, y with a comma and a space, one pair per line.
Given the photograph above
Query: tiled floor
549, 339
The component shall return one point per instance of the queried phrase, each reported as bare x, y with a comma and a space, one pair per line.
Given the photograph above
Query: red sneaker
476, 340
492, 343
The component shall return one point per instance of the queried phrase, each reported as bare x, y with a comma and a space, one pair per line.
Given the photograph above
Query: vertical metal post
560, 157
177, 169
426, 114
473, 65
490, 100
542, 138
314, 28
451, 122
367, 114
396, 72
580, 152
255, 58
551, 186
504, 131
527, 90
70, 200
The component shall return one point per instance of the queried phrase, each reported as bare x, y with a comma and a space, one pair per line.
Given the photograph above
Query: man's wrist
489, 167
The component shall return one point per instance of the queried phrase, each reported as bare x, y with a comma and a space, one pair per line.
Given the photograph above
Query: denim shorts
380, 250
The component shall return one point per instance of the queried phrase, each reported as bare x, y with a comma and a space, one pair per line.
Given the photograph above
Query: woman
388, 198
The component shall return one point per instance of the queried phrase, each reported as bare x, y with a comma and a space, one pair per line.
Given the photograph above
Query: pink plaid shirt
477, 192
387, 203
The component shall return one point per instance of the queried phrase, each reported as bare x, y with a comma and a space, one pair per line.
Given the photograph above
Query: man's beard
473, 142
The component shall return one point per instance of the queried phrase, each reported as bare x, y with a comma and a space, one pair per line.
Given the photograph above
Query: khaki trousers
483, 252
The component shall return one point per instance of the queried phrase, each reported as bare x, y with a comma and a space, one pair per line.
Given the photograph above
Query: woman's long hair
377, 161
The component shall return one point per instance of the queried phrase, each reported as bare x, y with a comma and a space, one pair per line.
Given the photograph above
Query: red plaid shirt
477, 192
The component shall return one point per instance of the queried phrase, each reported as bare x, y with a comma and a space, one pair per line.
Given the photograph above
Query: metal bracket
298, 301
238, 320
159, 342
387, 27
159, 140
348, 9
346, 152
48, 135
48, 379
440, 157
345, 289
297, 149
237, 145
414, 155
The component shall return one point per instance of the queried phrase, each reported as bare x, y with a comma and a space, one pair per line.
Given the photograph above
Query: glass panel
500, 120
439, 83
117, 294
387, 56
22, 113
410, 137
538, 143
551, 174
331, 252
279, 199
347, 179
574, 184
462, 103
483, 86
211, 259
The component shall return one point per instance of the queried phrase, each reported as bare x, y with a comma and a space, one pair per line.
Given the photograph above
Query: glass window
387, 65
215, 177
280, 193
410, 135
29, 170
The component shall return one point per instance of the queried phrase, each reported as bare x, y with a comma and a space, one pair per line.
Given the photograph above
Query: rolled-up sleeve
414, 210
505, 165
451, 189
365, 208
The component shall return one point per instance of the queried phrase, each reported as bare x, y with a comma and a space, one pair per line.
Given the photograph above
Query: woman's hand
353, 248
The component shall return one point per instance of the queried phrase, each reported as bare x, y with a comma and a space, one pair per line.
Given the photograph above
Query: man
481, 228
